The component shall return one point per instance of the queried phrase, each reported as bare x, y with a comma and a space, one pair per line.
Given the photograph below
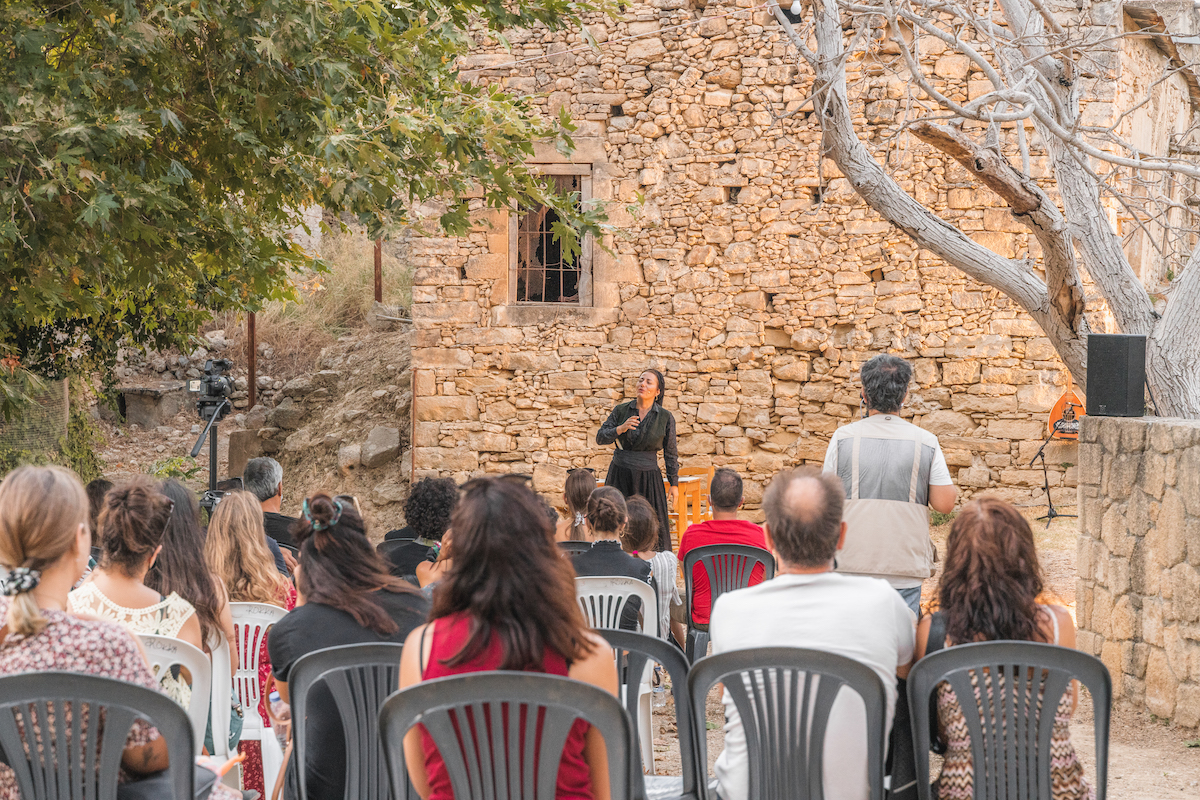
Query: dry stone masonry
1138, 594
742, 264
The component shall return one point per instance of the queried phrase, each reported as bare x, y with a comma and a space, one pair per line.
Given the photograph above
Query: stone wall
1138, 595
743, 265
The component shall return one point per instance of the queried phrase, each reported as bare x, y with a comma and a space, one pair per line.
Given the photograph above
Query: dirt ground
1147, 759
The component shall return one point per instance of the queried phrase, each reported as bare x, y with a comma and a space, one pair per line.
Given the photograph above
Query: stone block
693, 444
151, 406
447, 409
960, 372
1015, 429
952, 67
382, 446
387, 493
570, 380
948, 422
1187, 706
349, 458
442, 358
549, 478
243, 446
487, 442
722, 413
287, 415
531, 362
719, 98
1161, 684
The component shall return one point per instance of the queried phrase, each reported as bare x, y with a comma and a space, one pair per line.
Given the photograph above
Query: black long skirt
649, 484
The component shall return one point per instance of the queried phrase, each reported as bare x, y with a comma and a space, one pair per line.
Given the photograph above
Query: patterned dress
164, 618
89, 647
252, 767
957, 780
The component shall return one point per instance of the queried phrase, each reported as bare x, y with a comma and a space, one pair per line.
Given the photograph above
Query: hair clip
580, 518
317, 525
20, 580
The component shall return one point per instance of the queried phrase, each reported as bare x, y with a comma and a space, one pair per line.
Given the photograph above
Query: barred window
542, 272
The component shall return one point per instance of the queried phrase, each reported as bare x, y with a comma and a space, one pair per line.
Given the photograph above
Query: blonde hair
236, 551
41, 509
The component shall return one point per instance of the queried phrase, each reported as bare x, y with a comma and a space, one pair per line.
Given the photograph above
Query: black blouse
655, 432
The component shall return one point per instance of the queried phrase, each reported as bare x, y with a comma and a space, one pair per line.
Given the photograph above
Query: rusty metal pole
252, 361
379, 270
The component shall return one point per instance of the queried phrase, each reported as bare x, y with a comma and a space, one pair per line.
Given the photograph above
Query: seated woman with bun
346, 596
607, 516
133, 521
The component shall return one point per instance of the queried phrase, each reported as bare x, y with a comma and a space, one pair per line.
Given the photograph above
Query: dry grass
331, 304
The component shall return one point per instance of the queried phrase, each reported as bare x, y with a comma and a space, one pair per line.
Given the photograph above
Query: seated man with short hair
809, 605
263, 478
725, 499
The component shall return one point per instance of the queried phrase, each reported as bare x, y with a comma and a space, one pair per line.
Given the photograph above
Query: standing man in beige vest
893, 472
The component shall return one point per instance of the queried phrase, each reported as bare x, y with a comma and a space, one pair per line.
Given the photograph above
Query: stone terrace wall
751, 273
1138, 595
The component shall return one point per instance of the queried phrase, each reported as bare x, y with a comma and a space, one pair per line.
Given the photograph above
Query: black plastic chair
360, 677
639, 649
64, 769
729, 567
783, 696
1010, 731
385, 547
571, 548
295, 551
498, 761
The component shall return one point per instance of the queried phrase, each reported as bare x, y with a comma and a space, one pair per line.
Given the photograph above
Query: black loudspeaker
1116, 373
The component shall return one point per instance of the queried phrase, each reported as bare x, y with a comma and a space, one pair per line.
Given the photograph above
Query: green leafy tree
154, 154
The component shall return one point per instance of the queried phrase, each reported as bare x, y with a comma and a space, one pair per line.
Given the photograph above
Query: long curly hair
237, 552
510, 578
992, 579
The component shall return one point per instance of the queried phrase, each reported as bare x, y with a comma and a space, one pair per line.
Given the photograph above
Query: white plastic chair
251, 621
602, 599
165, 652
222, 690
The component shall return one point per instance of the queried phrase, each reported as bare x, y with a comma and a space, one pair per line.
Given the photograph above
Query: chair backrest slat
464, 715
251, 621
784, 696
1009, 693
602, 600
359, 678
728, 567
76, 760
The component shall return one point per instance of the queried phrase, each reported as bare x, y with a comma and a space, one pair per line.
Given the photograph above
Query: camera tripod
1051, 512
212, 496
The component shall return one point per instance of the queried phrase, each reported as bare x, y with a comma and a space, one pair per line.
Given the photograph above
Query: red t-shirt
717, 531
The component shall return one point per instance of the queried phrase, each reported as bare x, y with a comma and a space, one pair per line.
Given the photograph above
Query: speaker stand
1051, 512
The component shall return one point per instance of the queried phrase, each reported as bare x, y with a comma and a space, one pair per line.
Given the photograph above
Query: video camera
212, 404
214, 389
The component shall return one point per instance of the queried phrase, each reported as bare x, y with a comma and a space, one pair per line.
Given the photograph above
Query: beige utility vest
884, 464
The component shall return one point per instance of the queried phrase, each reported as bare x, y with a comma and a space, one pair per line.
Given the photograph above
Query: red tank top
449, 635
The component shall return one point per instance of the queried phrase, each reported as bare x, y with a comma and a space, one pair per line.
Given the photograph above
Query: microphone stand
1051, 512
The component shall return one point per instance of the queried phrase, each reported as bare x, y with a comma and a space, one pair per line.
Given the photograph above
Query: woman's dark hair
606, 510
641, 531
991, 579
132, 523
662, 384
509, 577
429, 505
339, 567
181, 567
96, 491
579, 487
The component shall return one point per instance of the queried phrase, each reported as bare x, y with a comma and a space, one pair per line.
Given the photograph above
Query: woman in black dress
640, 428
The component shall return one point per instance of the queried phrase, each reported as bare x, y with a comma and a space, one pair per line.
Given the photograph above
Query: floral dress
252, 767
89, 647
165, 618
